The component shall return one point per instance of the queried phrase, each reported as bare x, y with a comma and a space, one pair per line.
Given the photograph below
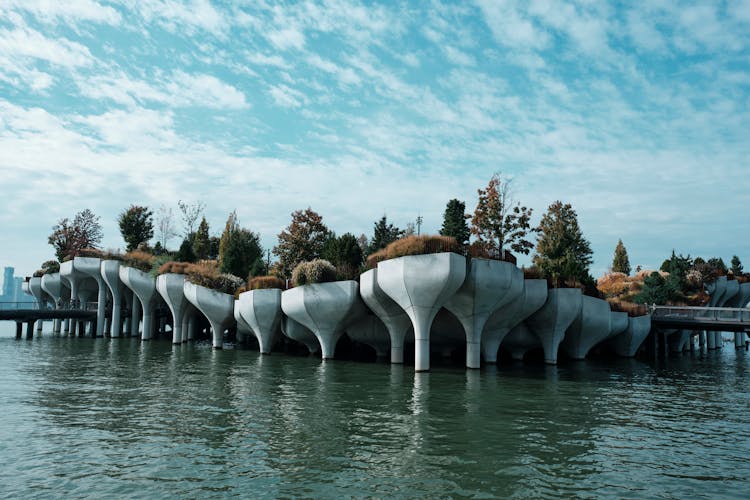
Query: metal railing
63, 304
716, 314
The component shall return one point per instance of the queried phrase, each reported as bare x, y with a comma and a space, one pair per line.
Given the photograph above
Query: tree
68, 238
136, 226
165, 225
654, 290
302, 240
201, 241
190, 214
454, 222
185, 253
621, 263
499, 221
737, 267
239, 249
345, 253
563, 254
383, 235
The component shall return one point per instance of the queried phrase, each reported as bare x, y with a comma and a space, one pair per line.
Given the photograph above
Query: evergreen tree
654, 290
621, 263
454, 222
239, 248
302, 240
345, 254
383, 235
185, 253
213, 245
737, 267
201, 241
136, 226
563, 253
499, 221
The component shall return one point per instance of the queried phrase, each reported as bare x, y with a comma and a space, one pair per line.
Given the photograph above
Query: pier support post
19, 330
30, 329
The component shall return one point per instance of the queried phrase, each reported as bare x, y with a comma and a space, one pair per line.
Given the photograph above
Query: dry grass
631, 308
265, 283
414, 245
315, 271
139, 259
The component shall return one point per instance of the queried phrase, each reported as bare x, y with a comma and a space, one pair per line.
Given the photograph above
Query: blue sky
637, 115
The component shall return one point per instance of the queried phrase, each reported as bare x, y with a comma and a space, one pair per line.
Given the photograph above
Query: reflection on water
86, 417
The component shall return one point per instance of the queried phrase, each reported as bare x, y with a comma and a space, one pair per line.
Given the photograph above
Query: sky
636, 113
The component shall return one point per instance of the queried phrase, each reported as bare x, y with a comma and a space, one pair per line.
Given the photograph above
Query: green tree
70, 237
185, 253
213, 245
302, 240
239, 248
499, 221
345, 254
201, 241
654, 290
383, 234
737, 267
562, 253
454, 221
621, 263
136, 226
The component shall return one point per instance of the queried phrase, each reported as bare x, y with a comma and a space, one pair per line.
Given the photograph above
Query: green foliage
301, 241
454, 222
655, 290
499, 221
383, 235
345, 254
50, 266
315, 271
201, 241
718, 264
621, 262
677, 266
239, 248
213, 247
563, 254
737, 267
136, 226
185, 253
68, 237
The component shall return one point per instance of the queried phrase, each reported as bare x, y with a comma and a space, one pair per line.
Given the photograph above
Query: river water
115, 418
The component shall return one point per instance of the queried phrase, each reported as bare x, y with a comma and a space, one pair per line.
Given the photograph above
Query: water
99, 418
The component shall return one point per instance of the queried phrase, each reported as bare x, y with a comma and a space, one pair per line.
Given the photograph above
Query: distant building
12, 292
8, 284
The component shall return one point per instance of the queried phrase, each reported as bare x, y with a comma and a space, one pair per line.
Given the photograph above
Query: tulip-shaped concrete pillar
143, 286
421, 285
110, 270
217, 307
261, 309
549, 323
370, 330
171, 288
488, 286
502, 321
52, 284
299, 333
35, 288
326, 309
91, 266
394, 318
520, 340
243, 329
588, 329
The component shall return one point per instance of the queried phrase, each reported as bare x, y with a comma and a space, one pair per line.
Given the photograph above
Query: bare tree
191, 213
165, 224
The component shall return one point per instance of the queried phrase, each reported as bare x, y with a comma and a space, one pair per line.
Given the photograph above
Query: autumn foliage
414, 245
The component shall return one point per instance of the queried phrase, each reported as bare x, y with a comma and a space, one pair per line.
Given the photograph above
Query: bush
315, 271
140, 260
221, 282
265, 283
613, 284
414, 245
629, 307
173, 267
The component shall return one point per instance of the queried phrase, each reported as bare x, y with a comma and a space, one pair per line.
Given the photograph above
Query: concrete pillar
170, 287
739, 340
390, 313
30, 329
421, 285
719, 342
217, 307
135, 318
701, 338
550, 322
19, 329
710, 340
260, 310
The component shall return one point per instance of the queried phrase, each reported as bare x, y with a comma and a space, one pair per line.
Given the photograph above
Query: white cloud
286, 96
28, 44
458, 57
346, 76
204, 90
70, 11
510, 27
287, 38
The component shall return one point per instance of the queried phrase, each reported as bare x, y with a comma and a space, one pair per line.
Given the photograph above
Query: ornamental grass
205, 274
414, 245
314, 271
631, 308
265, 283
138, 259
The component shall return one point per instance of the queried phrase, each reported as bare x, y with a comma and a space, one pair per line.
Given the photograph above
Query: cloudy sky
637, 116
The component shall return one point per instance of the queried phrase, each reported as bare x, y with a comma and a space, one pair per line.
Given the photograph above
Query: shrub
315, 271
613, 284
38, 273
631, 308
221, 282
265, 283
139, 259
90, 252
173, 267
414, 245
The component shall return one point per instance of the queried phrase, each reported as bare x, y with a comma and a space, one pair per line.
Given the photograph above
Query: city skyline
637, 116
